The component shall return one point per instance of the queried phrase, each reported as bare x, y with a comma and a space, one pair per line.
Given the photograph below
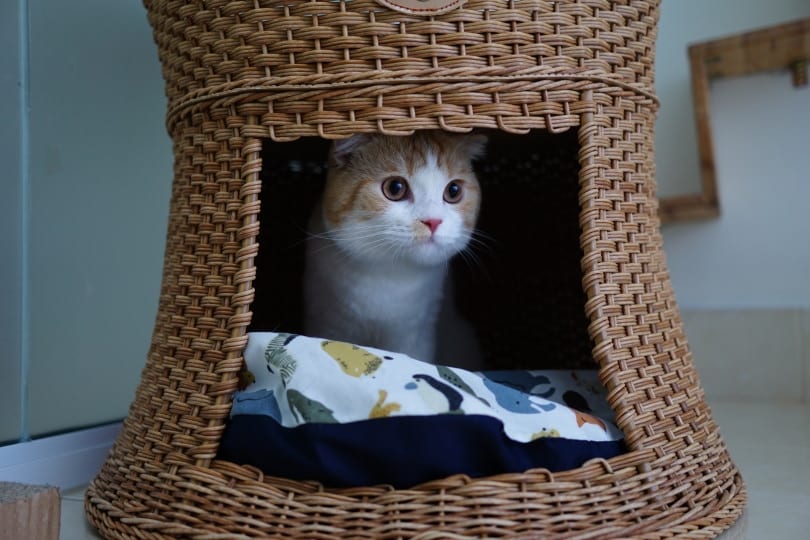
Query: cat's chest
380, 295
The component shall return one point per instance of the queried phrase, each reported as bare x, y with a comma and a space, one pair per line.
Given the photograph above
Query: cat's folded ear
342, 149
475, 144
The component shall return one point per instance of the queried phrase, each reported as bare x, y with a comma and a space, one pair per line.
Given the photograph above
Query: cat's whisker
473, 261
481, 239
478, 233
469, 259
327, 247
472, 258
306, 232
396, 250
475, 258
342, 234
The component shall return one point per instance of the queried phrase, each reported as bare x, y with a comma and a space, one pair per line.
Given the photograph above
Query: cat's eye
453, 192
395, 188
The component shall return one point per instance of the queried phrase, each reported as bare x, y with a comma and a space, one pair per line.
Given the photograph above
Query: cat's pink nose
432, 224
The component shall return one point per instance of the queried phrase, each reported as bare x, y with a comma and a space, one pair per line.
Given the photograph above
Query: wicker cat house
256, 88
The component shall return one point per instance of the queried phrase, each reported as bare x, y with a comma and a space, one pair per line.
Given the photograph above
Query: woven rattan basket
571, 77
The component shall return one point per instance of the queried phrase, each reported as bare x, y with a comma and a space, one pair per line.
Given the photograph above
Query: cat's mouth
429, 242
429, 237
429, 251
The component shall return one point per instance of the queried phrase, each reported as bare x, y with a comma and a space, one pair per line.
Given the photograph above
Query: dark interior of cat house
521, 289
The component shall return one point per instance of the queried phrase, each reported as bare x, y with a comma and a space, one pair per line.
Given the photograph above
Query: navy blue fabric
402, 450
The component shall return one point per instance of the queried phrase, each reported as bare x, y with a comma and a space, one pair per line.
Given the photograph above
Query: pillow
348, 415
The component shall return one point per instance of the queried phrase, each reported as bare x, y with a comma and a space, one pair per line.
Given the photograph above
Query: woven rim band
386, 83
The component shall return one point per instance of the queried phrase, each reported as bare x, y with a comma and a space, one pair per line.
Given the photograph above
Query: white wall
691, 21
757, 254
752, 256
741, 280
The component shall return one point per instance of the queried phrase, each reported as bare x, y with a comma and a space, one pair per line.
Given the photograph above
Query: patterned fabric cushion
348, 415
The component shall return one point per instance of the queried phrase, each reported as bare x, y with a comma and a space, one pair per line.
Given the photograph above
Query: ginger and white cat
394, 211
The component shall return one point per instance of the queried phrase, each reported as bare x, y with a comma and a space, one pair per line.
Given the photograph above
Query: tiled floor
770, 443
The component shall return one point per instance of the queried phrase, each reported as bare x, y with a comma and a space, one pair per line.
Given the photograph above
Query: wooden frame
778, 47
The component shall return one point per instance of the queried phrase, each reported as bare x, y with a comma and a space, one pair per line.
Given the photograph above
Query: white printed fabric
301, 380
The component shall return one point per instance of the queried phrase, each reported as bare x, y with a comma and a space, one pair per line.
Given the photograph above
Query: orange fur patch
354, 190
470, 203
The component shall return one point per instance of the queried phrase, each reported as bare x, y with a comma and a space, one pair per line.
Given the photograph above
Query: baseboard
64, 461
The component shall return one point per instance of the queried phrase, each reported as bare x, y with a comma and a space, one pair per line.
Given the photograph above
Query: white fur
380, 281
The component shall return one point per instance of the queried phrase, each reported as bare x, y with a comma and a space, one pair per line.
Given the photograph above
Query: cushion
349, 415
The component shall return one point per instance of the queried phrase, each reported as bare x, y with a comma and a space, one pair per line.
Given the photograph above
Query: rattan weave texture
242, 71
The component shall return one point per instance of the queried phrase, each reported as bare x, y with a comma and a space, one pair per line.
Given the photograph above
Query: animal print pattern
301, 380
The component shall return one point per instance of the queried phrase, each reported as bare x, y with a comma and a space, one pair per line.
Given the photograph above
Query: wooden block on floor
29, 512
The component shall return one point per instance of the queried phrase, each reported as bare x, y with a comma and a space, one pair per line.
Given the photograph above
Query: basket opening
524, 298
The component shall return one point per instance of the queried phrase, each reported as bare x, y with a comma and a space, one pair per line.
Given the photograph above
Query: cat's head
403, 199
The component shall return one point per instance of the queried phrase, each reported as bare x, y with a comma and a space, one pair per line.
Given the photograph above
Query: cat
394, 211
